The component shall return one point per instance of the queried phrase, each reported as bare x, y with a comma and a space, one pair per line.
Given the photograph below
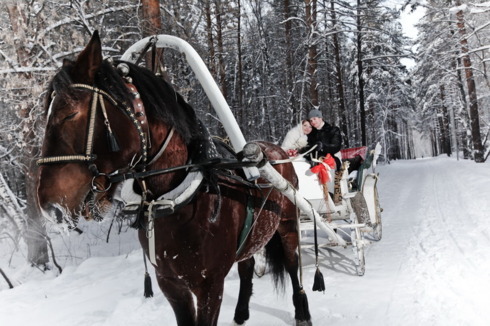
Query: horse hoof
303, 323
235, 323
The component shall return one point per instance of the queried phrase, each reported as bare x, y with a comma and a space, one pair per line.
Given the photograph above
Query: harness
137, 168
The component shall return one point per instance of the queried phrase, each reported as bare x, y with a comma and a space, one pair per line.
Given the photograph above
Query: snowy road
437, 232
432, 266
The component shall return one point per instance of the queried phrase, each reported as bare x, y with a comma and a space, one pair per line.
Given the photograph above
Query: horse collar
139, 111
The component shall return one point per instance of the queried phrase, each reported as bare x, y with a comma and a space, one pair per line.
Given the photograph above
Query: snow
432, 266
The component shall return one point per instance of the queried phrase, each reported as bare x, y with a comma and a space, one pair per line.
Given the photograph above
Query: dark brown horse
107, 125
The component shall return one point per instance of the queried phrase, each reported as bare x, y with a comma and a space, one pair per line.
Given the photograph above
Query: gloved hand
292, 152
319, 146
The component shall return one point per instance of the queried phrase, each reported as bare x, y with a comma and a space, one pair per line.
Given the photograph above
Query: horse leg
209, 296
289, 240
245, 271
180, 298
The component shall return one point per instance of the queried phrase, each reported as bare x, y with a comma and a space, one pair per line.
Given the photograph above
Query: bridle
137, 117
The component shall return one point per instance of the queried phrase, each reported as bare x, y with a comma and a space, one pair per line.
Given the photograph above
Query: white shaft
208, 84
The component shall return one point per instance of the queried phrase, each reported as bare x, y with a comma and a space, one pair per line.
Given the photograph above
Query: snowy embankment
432, 266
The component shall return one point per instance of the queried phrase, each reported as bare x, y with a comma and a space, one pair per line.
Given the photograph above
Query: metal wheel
377, 227
360, 215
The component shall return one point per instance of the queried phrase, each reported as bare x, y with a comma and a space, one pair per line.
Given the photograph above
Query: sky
432, 266
409, 19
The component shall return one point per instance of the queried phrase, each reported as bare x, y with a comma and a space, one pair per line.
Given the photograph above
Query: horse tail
274, 255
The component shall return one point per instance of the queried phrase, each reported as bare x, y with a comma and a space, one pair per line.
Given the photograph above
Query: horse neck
175, 154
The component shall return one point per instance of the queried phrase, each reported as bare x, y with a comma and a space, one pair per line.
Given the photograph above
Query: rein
116, 176
292, 159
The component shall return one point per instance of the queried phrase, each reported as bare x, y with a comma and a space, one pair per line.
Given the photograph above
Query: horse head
94, 130
88, 135
76, 156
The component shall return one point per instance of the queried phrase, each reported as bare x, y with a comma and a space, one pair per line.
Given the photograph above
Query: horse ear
89, 60
67, 62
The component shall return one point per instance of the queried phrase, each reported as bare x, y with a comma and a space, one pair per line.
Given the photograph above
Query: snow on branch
27, 70
70, 20
387, 56
479, 8
10, 203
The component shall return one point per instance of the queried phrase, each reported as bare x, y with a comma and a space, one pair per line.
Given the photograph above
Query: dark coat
330, 138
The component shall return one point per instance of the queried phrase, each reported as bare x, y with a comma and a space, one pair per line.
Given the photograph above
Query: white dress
295, 138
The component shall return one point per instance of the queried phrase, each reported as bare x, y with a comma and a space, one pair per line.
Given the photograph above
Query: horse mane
161, 101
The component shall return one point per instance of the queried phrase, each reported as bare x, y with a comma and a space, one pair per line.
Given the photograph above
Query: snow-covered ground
432, 266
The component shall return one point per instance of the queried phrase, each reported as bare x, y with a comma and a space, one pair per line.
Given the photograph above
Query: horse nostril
58, 214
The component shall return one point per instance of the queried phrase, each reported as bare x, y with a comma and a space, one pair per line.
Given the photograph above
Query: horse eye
71, 116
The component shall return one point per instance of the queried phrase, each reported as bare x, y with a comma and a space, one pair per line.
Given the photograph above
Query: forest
274, 60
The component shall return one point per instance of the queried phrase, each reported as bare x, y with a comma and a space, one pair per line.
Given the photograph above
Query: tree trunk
362, 109
37, 246
289, 63
454, 129
18, 22
151, 24
209, 32
210, 40
470, 84
444, 124
221, 51
464, 116
339, 77
239, 91
37, 250
312, 52
463, 111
